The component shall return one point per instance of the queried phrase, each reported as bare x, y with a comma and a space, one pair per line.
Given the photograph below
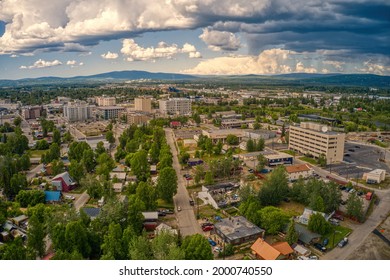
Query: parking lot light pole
334, 235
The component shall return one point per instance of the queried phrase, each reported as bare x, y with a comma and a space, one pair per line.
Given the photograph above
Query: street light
334, 234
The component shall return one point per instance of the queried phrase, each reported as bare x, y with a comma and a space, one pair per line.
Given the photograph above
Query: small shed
19, 220
118, 187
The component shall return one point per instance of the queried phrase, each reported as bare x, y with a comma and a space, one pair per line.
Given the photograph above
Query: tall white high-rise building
77, 111
175, 106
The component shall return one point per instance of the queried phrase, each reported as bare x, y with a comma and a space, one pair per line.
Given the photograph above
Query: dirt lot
374, 248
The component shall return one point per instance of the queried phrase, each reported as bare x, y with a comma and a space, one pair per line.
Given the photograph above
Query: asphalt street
188, 225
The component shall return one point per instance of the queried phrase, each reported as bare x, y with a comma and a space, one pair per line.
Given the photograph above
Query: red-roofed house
175, 124
278, 251
63, 182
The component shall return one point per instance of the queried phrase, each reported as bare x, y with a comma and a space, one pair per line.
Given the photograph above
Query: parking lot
364, 156
348, 170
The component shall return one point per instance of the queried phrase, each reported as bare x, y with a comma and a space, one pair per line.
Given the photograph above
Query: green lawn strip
289, 152
338, 232
37, 153
163, 204
309, 160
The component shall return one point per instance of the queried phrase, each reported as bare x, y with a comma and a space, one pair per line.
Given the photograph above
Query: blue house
52, 196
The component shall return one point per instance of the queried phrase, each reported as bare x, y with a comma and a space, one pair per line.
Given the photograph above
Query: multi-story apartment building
77, 111
33, 112
175, 106
105, 101
143, 104
134, 117
316, 139
110, 112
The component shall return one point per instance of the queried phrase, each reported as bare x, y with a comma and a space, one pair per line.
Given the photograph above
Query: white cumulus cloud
134, 52
42, 64
220, 40
71, 62
74, 63
110, 55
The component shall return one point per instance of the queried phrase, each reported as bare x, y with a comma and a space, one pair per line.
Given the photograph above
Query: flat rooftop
237, 227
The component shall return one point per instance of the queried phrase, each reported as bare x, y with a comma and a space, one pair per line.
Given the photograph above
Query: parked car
347, 155
217, 249
212, 242
250, 170
351, 150
342, 188
192, 203
207, 228
179, 208
334, 222
343, 242
206, 225
325, 242
343, 202
352, 191
70, 197
360, 193
347, 189
320, 247
161, 213
338, 217
358, 147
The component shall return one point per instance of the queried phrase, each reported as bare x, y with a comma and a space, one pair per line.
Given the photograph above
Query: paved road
31, 174
360, 231
188, 225
80, 202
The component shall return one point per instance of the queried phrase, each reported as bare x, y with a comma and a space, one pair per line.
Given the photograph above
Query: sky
68, 38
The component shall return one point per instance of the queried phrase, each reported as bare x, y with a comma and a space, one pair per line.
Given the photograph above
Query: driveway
188, 225
81, 201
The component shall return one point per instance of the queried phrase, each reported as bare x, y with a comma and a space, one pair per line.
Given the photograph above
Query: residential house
265, 251
118, 187
307, 213
237, 230
63, 182
91, 212
52, 196
296, 171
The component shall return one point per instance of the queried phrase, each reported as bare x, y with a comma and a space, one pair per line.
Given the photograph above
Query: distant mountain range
365, 80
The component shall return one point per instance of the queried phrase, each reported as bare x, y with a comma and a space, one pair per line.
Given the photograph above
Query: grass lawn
78, 190
289, 152
338, 232
383, 185
163, 204
37, 153
309, 160
292, 208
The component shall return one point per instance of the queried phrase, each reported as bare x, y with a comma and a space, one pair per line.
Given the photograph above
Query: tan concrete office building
105, 101
143, 104
317, 139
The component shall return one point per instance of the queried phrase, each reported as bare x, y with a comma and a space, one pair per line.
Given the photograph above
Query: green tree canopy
167, 184
272, 219
355, 207
318, 224
140, 166
196, 247
275, 188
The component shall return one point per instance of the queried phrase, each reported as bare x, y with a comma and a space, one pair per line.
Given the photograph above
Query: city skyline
70, 38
